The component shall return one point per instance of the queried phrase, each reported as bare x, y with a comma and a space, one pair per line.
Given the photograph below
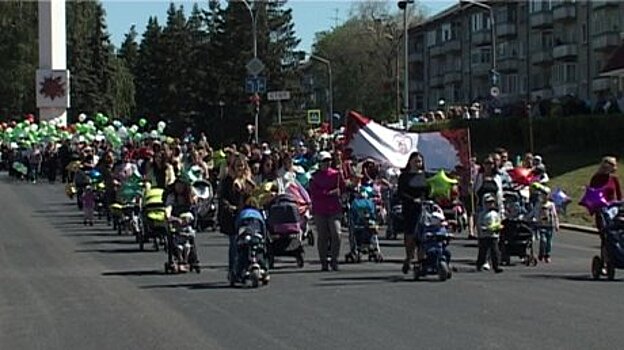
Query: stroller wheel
197, 269
610, 271
379, 258
358, 258
255, 278
349, 258
416, 272
533, 260
271, 259
596, 267
443, 271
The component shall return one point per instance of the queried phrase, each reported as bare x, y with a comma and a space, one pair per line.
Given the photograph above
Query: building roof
440, 15
615, 64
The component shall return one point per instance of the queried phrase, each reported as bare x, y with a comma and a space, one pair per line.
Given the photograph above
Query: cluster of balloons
29, 133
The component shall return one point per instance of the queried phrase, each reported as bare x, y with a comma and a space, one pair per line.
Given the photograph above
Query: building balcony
481, 69
415, 57
604, 4
452, 46
545, 92
565, 51
543, 19
436, 50
481, 37
564, 89
606, 41
452, 77
564, 11
601, 84
508, 64
436, 81
542, 57
416, 85
506, 29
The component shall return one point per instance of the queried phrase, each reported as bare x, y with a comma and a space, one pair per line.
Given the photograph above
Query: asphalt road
64, 286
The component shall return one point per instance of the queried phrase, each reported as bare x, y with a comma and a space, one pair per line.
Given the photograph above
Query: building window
480, 21
431, 38
584, 33
606, 21
509, 83
540, 5
481, 55
447, 32
564, 73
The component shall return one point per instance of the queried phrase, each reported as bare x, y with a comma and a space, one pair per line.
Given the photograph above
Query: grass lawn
571, 172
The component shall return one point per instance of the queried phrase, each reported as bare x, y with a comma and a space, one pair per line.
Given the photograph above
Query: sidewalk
579, 228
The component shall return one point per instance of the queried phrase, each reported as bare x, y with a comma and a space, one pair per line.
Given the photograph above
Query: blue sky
310, 16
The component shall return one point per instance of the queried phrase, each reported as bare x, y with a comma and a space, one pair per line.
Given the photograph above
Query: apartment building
544, 48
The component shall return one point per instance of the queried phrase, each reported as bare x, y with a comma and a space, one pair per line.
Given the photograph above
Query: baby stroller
395, 214
285, 229
126, 211
363, 238
180, 244
434, 240
206, 208
251, 262
612, 248
516, 236
154, 218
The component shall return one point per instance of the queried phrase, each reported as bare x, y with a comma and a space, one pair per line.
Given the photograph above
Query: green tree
18, 57
148, 70
122, 90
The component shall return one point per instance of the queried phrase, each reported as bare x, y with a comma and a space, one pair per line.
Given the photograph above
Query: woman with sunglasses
326, 186
412, 189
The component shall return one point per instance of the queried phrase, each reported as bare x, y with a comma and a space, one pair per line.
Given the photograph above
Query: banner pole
471, 189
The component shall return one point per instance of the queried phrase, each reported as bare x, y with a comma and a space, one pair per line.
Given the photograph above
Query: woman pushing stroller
412, 190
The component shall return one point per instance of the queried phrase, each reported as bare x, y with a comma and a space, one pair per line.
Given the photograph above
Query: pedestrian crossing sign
314, 116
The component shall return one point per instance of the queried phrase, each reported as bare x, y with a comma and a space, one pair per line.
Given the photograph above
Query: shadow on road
574, 278
130, 240
201, 285
134, 273
112, 251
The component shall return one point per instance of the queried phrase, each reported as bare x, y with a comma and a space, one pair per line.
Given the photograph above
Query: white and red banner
447, 149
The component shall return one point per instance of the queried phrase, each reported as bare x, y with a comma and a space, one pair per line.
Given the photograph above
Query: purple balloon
594, 199
559, 197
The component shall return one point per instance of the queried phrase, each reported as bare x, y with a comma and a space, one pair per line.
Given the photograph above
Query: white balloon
134, 128
161, 126
82, 117
34, 127
122, 132
91, 123
154, 134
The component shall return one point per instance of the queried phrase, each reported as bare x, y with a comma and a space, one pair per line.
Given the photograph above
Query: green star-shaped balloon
440, 185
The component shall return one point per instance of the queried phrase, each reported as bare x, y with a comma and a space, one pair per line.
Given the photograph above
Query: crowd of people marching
251, 176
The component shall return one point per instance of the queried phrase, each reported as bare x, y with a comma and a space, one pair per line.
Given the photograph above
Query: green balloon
142, 122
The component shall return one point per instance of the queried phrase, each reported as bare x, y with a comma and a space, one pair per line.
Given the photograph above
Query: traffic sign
494, 77
255, 66
255, 85
278, 95
494, 91
314, 116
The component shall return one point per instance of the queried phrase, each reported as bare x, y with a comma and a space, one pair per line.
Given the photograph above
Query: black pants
488, 244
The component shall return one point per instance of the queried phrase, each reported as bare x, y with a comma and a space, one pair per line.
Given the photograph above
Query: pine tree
129, 51
148, 71
18, 57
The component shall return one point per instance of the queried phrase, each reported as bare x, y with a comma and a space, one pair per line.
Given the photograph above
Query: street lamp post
254, 21
331, 89
403, 6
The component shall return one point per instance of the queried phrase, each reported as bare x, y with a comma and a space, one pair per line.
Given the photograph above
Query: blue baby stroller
434, 241
517, 235
395, 214
612, 247
251, 259
363, 237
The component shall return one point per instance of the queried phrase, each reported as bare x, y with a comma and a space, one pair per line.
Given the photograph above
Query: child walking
489, 227
88, 205
545, 216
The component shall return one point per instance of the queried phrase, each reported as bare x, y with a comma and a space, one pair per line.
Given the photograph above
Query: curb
579, 228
